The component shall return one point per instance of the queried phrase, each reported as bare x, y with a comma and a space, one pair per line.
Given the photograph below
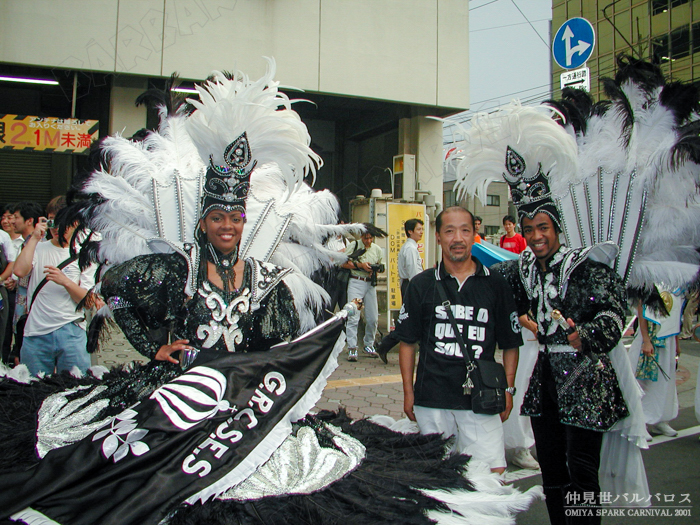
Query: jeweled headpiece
530, 193
226, 187
240, 125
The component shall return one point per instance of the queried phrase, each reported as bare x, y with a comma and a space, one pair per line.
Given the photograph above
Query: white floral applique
122, 437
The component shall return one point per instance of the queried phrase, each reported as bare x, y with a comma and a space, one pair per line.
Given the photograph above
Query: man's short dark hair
509, 218
557, 229
478, 219
7, 208
438, 219
411, 224
29, 210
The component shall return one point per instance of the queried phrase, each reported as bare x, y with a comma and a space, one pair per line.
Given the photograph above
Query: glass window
659, 6
493, 200
676, 3
659, 49
492, 230
448, 198
680, 42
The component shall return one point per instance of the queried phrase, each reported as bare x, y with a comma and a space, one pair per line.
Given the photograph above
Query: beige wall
413, 51
124, 116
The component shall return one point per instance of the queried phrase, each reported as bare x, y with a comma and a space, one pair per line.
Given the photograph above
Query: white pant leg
478, 435
435, 421
371, 314
356, 290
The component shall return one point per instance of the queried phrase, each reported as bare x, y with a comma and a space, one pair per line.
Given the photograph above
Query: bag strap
45, 280
469, 360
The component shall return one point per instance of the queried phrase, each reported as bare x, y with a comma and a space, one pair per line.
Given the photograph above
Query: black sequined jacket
147, 294
593, 296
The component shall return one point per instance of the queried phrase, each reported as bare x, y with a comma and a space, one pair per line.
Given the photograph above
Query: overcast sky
509, 53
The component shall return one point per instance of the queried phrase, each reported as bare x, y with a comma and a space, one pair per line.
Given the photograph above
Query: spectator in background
26, 216
7, 257
54, 205
511, 241
361, 286
54, 335
410, 262
7, 222
477, 227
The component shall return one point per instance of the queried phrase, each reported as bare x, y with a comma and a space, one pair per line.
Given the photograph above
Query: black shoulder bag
486, 380
343, 275
22, 321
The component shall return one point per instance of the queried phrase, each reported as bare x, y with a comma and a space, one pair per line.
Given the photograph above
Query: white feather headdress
148, 196
627, 170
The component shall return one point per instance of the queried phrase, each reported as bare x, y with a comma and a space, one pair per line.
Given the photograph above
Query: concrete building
374, 69
666, 32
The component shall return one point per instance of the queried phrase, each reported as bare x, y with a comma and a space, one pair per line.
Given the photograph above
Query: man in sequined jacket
571, 402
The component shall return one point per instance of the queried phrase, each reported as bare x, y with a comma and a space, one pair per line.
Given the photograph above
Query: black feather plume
374, 230
682, 99
645, 74
687, 148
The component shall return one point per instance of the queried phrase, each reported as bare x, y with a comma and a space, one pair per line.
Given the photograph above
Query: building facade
666, 32
373, 70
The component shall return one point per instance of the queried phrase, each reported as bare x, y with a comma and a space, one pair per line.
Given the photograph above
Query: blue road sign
573, 43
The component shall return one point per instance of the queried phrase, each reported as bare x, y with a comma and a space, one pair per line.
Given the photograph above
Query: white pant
363, 290
479, 435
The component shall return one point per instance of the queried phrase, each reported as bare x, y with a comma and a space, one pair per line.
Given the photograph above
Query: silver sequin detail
62, 422
301, 466
612, 315
225, 318
115, 303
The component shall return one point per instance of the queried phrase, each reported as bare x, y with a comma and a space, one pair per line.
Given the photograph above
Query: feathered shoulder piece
148, 195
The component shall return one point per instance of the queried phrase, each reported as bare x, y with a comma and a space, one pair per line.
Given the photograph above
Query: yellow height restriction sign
49, 134
397, 215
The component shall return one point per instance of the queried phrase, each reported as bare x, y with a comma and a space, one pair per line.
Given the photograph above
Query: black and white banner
195, 437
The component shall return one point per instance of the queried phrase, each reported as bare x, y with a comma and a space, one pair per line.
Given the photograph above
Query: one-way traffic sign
573, 43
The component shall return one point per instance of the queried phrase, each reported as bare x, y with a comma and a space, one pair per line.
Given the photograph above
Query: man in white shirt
410, 265
25, 216
6, 262
410, 262
54, 335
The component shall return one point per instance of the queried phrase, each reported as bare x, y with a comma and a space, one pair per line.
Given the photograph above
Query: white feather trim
531, 132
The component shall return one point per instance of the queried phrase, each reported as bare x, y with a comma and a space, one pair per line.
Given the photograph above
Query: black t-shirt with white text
484, 309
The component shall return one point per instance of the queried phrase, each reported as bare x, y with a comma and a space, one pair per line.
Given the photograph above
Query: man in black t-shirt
483, 307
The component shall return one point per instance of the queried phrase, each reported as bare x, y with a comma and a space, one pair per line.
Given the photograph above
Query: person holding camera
364, 264
54, 332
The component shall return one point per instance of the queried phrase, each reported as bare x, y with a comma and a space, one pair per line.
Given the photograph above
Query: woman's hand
164, 352
647, 348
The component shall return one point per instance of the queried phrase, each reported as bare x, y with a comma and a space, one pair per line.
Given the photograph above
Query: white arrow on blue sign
573, 43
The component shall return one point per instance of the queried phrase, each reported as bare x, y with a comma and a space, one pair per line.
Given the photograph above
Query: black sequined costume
571, 401
593, 296
147, 293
